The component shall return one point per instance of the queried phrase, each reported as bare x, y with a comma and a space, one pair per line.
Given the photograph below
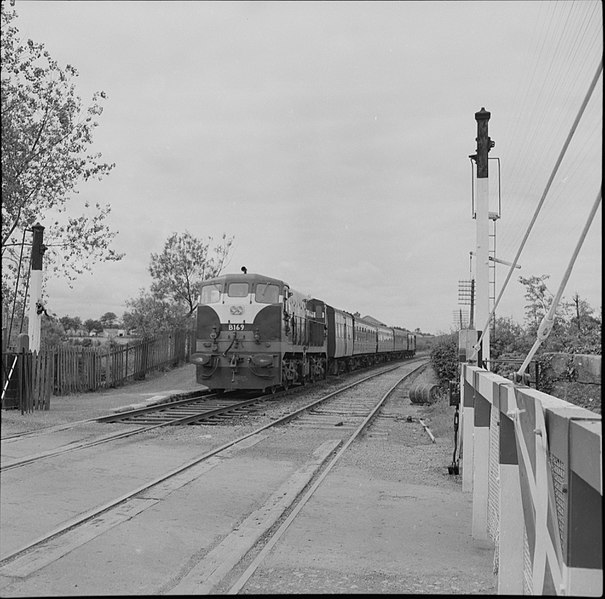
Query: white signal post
475, 440
35, 288
484, 144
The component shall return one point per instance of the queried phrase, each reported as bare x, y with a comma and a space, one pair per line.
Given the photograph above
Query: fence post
126, 365
108, 360
20, 368
50, 362
142, 351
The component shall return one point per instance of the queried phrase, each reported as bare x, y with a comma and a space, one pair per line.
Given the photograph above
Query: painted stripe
468, 400
495, 399
585, 527
508, 445
482, 411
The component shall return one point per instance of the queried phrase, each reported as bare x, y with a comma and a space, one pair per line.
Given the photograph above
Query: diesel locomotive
255, 332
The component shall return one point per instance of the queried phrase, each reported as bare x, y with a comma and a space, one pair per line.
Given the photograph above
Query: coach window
238, 290
266, 293
211, 294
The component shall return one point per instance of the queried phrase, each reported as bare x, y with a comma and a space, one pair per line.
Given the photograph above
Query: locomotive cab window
211, 294
238, 290
267, 293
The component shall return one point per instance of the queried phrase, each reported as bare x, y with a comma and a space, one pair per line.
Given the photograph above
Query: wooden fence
30, 378
27, 379
89, 369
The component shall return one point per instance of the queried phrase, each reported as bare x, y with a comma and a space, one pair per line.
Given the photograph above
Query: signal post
484, 145
476, 439
35, 294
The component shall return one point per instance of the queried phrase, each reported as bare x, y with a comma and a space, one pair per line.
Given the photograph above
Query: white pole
35, 288
484, 145
482, 262
35, 319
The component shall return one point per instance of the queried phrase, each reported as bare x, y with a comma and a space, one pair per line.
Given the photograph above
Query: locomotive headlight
214, 334
262, 360
200, 359
256, 335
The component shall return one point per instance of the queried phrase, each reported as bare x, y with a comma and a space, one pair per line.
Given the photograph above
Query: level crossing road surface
389, 519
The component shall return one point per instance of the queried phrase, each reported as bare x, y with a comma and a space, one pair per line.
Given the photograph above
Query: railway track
80, 529
186, 411
205, 407
353, 424
70, 425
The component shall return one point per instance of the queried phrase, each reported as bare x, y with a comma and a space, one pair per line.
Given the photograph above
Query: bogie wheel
288, 374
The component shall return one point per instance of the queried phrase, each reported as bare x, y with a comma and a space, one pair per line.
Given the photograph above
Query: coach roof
251, 278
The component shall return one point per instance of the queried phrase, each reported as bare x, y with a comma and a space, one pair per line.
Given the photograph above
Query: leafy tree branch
46, 137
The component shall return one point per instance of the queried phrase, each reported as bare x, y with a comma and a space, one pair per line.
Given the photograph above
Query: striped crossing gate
560, 465
537, 485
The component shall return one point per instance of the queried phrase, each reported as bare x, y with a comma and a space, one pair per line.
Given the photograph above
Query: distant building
113, 332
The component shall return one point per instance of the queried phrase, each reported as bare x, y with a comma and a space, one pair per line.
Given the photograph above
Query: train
257, 333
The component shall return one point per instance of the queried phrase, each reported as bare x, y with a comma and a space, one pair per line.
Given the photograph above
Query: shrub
444, 358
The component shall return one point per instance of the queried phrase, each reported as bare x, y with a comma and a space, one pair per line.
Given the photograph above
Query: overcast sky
331, 139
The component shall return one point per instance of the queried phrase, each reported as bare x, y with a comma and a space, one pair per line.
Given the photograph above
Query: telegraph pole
484, 145
35, 294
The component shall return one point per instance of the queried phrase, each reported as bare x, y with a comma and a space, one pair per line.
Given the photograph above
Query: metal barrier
533, 464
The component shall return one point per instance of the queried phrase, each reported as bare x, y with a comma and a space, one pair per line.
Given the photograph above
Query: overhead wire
558, 87
545, 96
537, 38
